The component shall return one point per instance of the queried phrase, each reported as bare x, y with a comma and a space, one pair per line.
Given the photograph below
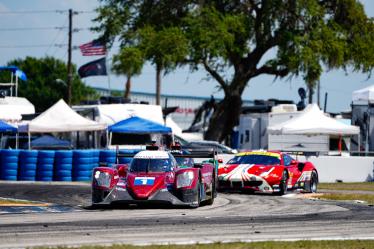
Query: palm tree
129, 61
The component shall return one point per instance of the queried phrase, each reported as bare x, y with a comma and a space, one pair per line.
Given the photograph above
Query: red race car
267, 172
154, 177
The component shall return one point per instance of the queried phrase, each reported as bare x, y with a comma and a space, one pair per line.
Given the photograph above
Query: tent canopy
11, 108
50, 142
137, 125
19, 73
61, 118
364, 95
313, 122
4, 127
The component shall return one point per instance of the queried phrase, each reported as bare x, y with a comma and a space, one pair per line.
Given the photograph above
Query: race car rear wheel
283, 183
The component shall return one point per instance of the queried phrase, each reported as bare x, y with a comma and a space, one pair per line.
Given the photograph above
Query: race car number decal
144, 181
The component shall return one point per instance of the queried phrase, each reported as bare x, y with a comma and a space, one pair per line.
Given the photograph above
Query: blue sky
337, 83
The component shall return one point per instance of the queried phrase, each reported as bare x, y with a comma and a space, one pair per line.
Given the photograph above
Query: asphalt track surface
232, 217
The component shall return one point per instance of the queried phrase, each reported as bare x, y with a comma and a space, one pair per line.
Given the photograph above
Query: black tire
283, 183
210, 200
198, 195
313, 183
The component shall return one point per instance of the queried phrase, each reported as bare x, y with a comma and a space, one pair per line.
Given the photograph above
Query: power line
33, 46
33, 12
56, 37
32, 28
44, 12
41, 28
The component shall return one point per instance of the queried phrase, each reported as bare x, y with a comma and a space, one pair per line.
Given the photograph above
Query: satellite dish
302, 93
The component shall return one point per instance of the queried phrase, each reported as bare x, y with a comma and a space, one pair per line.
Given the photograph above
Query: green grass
361, 186
369, 198
347, 244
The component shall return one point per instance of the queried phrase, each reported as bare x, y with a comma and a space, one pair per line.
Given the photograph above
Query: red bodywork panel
143, 191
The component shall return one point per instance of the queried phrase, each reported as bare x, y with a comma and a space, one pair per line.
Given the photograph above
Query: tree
233, 40
129, 62
165, 46
165, 49
44, 86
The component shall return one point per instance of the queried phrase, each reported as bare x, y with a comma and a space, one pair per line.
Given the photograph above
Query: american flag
95, 47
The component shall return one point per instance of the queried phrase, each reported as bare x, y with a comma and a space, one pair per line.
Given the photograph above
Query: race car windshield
150, 165
255, 159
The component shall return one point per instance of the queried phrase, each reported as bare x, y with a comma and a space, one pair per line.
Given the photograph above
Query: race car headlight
103, 179
185, 179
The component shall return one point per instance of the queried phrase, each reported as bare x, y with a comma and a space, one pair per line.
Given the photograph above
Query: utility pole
70, 73
318, 93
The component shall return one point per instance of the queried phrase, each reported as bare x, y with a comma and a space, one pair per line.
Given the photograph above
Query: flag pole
106, 61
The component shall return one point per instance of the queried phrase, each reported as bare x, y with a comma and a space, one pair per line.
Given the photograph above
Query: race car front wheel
210, 199
197, 198
283, 183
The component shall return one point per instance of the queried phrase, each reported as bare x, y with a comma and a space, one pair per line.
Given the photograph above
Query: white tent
313, 122
365, 95
61, 118
174, 127
11, 108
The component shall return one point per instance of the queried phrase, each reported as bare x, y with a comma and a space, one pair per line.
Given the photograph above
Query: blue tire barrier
64, 154
95, 158
83, 179
46, 160
46, 174
82, 165
64, 173
107, 156
83, 160
8, 153
12, 166
9, 175
83, 173
28, 165
127, 160
82, 153
45, 165
10, 159
65, 179
9, 164
10, 178
63, 160
63, 165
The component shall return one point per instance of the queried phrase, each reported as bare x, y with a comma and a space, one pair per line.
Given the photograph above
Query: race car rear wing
195, 154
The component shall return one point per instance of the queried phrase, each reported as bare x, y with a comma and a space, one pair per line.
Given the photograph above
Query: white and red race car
267, 172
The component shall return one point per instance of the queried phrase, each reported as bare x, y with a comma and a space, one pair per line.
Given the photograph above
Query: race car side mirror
122, 170
220, 160
293, 162
301, 166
